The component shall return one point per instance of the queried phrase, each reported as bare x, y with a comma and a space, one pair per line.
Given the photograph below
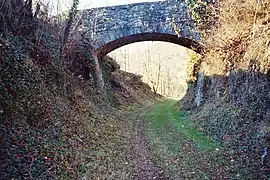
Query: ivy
15, 48
200, 13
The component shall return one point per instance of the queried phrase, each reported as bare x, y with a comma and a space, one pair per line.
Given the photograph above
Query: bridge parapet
107, 24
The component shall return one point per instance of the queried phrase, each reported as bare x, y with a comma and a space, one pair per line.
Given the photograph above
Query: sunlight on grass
164, 113
179, 146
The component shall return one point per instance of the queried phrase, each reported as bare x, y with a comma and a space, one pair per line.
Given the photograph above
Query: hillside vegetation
235, 90
54, 121
54, 124
57, 123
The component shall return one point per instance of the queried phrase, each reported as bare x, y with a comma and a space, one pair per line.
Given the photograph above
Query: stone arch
188, 43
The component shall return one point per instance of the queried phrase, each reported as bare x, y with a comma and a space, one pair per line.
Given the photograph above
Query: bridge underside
188, 43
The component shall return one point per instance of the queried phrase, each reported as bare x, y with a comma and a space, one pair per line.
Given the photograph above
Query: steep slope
54, 122
233, 86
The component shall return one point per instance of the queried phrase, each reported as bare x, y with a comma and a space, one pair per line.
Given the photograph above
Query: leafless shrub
242, 32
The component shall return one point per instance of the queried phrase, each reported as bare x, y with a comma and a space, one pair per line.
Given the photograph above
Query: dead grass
240, 37
52, 121
236, 98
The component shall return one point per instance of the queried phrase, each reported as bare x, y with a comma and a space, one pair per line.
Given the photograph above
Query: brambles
239, 38
235, 107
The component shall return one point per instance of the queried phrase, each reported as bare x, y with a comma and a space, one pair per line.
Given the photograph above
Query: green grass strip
165, 112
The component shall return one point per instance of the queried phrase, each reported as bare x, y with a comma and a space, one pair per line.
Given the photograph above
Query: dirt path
146, 169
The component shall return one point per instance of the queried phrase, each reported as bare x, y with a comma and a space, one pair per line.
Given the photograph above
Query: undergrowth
54, 120
236, 99
240, 41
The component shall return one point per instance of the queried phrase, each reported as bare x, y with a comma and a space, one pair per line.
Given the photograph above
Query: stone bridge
109, 28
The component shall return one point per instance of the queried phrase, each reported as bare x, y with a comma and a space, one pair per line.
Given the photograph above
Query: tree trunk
72, 14
100, 81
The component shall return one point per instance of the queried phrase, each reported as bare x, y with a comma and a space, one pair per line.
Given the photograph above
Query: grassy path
179, 147
154, 142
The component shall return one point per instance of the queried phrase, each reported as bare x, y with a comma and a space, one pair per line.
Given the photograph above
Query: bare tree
157, 82
16, 16
71, 15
